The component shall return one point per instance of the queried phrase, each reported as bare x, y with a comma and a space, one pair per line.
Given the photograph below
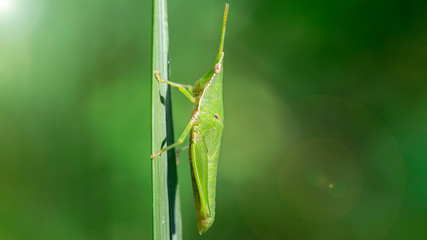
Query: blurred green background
325, 118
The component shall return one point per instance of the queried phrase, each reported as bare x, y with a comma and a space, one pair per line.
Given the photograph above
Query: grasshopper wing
205, 145
212, 139
199, 172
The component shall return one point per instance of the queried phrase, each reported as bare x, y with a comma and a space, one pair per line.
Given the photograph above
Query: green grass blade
167, 222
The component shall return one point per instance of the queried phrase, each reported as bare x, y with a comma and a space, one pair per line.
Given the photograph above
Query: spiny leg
179, 142
186, 89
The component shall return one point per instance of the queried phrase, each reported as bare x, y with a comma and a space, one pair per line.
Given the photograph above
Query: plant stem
167, 222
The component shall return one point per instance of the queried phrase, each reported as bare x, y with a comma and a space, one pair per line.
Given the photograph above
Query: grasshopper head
224, 24
218, 61
215, 72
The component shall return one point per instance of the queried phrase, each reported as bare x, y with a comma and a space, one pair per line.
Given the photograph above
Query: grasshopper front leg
179, 142
186, 89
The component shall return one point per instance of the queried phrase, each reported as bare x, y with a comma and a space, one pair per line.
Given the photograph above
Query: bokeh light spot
316, 177
318, 199
18, 18
6, 6
339, 169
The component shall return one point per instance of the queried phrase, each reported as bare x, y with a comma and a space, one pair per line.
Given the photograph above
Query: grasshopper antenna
221, 44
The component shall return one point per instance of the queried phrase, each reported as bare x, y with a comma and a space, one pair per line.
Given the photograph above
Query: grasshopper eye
217, 68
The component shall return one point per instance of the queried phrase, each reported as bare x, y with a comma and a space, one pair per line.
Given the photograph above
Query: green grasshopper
205, 129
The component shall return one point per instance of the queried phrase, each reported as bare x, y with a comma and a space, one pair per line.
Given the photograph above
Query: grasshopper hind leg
179, 142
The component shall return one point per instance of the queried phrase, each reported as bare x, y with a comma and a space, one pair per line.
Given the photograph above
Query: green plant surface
166, 206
